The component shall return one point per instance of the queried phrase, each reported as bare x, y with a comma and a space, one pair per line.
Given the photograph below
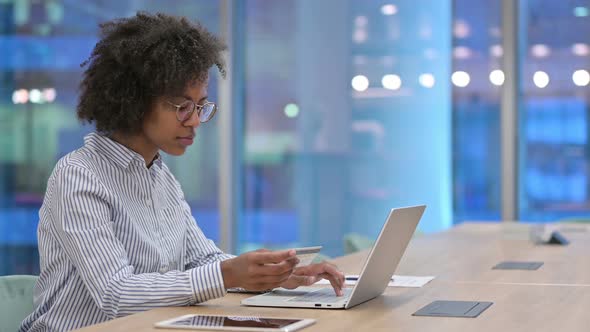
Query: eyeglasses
185, 110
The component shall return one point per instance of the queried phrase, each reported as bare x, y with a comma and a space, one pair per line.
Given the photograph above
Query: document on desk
396, 281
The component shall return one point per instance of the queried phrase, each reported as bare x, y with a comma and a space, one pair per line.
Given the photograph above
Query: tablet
235, 323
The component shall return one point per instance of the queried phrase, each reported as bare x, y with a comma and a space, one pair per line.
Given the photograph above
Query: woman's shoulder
76, 161
74, 171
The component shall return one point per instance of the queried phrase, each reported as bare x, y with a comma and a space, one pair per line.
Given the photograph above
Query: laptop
376, 274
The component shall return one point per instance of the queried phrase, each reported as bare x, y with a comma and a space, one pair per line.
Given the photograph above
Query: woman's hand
259, 270
310, 274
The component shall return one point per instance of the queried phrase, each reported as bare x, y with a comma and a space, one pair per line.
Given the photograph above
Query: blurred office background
346, 108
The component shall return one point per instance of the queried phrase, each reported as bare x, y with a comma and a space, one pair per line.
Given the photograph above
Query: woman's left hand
310, 274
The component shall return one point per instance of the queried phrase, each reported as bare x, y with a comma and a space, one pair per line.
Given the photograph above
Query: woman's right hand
259, 270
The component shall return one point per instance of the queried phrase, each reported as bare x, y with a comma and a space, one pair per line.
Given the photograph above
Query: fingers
269, 257
273, 280
295, 281
316, 269
267, 282
274, 269
335, 284
324, 270
264, 269
267, 269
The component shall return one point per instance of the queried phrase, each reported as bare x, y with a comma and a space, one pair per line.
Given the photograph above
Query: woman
116, 235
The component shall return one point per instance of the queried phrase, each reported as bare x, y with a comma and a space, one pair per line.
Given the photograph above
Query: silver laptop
379, 267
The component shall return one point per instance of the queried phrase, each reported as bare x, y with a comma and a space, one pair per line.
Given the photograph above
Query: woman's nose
193, 120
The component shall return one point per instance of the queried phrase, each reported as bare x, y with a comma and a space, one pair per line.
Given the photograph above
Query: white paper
396, 281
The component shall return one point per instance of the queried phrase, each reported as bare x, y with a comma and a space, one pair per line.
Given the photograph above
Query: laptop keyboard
325, 295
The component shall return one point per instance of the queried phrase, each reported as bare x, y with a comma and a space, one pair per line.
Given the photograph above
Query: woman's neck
139, 144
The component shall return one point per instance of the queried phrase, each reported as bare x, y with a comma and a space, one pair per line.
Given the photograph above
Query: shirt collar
115, 151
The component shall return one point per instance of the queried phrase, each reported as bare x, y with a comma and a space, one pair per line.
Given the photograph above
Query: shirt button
163, 269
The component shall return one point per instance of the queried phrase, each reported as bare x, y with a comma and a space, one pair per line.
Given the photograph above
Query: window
554, 154
43, 44
476, 80
347, 115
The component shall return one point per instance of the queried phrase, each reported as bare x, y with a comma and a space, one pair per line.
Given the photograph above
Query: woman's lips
186, 141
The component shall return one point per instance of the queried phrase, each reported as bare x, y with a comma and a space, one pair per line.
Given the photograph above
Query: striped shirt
116, 238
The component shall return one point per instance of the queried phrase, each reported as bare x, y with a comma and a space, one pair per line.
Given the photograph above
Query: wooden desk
468, 253
461, 259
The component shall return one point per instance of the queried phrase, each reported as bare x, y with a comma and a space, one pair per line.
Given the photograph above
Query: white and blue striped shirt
115, 238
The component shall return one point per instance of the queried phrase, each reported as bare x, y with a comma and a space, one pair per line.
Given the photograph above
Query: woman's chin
176, 151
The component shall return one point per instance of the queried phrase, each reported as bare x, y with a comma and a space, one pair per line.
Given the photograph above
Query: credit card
306, 255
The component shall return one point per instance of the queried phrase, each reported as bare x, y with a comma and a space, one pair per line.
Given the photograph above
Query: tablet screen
222, 322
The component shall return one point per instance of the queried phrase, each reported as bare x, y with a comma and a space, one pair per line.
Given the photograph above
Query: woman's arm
199, 249
81, 218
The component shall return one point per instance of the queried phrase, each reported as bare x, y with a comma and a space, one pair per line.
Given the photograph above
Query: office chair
354, 242
16, 300
576, 220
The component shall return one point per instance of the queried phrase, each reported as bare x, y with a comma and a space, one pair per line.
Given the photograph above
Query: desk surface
469, 251
555, 297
